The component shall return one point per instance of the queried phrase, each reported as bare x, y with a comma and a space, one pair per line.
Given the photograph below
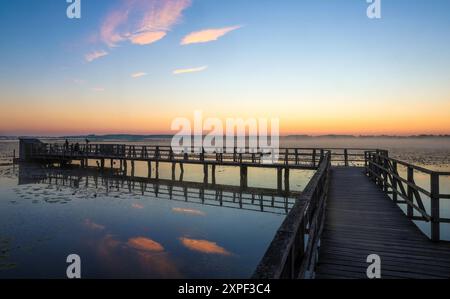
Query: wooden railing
384, 171
294, 250
308, 157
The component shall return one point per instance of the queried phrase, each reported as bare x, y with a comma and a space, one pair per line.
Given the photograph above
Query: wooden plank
362, 220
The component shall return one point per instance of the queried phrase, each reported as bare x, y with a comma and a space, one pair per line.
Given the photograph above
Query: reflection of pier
251, 198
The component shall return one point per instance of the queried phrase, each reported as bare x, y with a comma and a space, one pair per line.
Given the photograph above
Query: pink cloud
142, 22
207, 35
95, 55
147, 37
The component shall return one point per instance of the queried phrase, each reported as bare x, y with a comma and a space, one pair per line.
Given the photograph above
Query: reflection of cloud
188, 211
137, 206
191, 70
141, 22
204, 246
95, 55
207, 35
119, 258
146, 244
92, 225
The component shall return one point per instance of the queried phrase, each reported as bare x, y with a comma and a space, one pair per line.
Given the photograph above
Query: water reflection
88, 183
204, 246
132, 227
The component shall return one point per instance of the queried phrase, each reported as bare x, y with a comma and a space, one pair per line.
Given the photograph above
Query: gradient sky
131, 66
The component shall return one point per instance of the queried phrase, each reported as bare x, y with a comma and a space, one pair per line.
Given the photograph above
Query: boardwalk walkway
362, 220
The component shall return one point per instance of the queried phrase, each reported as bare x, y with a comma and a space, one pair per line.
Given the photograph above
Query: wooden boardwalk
362, 220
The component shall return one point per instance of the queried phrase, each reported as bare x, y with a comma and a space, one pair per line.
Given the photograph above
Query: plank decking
362, 220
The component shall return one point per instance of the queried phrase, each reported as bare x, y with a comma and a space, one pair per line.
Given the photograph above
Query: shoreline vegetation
137, 137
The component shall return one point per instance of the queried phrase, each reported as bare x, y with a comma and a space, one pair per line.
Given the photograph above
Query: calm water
125, 229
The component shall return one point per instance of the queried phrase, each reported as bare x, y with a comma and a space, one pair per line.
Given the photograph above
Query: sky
133, 66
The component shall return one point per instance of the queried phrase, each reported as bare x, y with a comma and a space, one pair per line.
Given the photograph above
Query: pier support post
112, 163
132, 167
279, 178
286, 179
244, 177
213, 174
102, 164
125, 166
435, 216
149, 166
205, 173
157, 169
173, 170
181, 168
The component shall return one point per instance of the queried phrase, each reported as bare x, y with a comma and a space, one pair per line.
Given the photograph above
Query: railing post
286, 157
365, 162
410, 211
346, 157
394, 181
385, 174
314, 157
435, 216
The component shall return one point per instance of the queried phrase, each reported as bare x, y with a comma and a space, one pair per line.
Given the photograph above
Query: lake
124, 228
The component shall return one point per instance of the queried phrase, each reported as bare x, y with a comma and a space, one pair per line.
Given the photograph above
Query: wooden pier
349, 210
361, 220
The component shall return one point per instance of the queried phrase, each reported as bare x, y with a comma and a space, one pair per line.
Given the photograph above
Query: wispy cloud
78, 81
141, 22
98, 89
207, 35
138, 75
190, 70
95, 55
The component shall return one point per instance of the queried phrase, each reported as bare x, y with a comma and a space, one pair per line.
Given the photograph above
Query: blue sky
282, 59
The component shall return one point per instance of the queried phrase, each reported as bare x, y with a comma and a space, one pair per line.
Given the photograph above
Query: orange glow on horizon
72, 118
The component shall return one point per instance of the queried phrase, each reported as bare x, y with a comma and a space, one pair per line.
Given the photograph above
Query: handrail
383, 170
312, 156
290, 255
